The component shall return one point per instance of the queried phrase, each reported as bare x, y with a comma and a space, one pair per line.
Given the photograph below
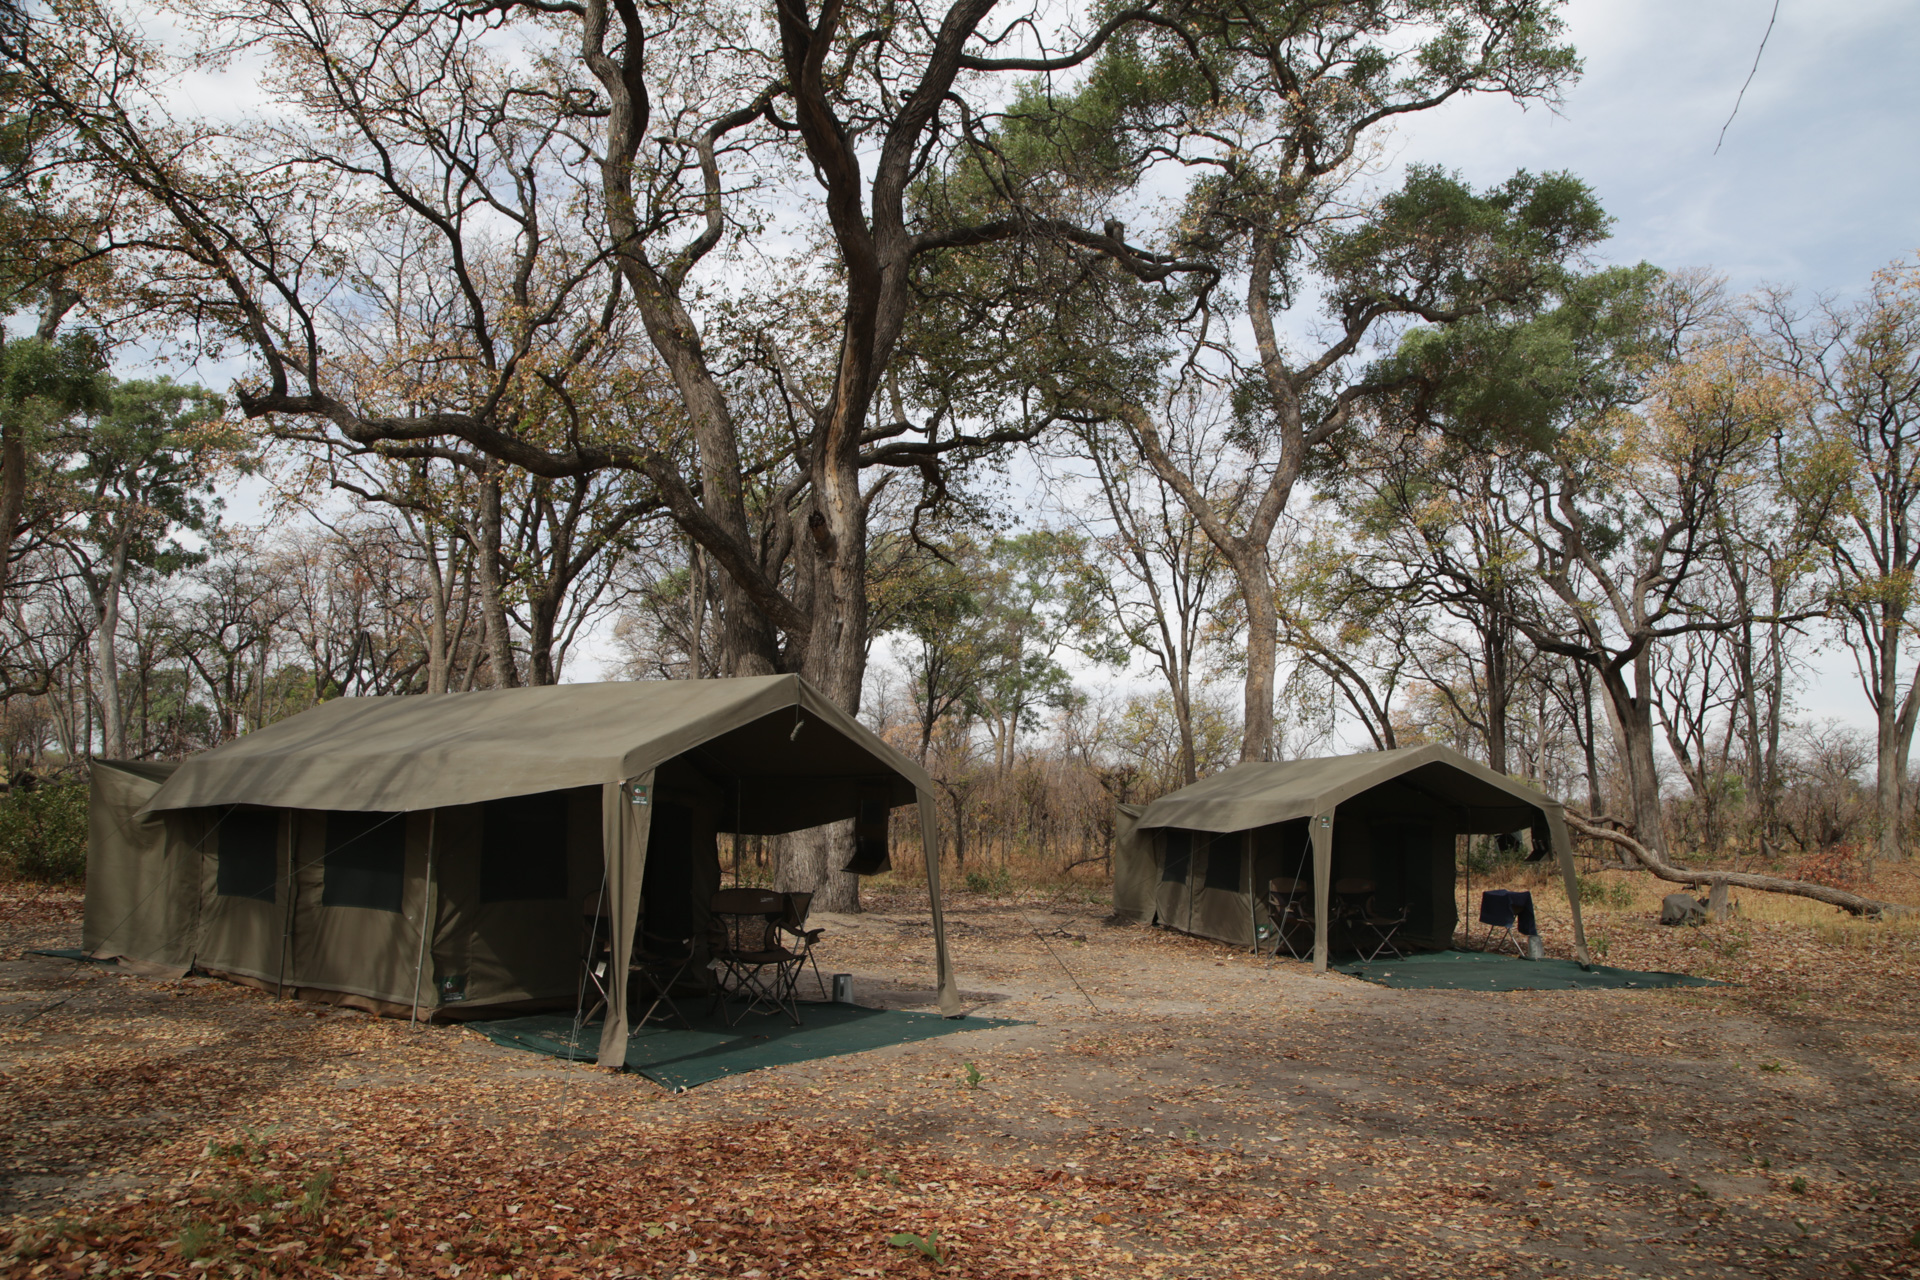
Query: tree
1431, 516
1859, 437
1159, 577
142, 471
45, 381
412, 129
1259, 114
1628, 415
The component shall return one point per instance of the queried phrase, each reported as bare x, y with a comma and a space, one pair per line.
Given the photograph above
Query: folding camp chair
746, 938
1364, 925
596, 956
1348, 908
1290, 908
1380, 927
795, 926
658, 965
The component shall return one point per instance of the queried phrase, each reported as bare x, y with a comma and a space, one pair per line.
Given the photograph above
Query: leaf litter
1214, 1116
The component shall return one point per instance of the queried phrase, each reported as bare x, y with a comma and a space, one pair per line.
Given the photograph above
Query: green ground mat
681, 1059
66, 953
1484, 971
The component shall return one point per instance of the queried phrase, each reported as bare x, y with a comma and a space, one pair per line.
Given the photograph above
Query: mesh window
1179, 851
249, 844
523, 848
1223, 863
366, 860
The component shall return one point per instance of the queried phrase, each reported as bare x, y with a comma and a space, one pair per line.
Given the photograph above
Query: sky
1814, 187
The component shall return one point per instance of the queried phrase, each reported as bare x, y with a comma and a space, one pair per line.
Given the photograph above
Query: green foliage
196, 1238
313, 1192
1602, 892
144, 467
998, 882
43, 832
972, 1078
928, 1245
1486, 854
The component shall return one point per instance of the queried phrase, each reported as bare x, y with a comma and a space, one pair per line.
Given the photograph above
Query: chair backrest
1287, 886
1353, 887
798, 904
746, 919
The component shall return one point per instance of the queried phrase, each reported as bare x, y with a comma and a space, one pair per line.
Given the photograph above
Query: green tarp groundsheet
66, 953
680, 1059
1484, 971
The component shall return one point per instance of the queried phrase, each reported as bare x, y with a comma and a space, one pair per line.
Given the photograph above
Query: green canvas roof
429, 751
1258, 794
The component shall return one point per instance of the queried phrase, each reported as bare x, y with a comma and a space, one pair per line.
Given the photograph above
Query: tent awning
431, 751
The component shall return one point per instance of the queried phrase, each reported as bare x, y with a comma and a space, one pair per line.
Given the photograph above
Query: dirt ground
1165, 1107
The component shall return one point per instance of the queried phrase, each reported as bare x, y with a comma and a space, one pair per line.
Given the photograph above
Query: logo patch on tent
453, 988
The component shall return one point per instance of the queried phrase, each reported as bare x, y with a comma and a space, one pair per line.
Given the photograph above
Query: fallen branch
1851, 902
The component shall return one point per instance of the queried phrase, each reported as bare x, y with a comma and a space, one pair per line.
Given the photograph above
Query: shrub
999, 881
43, 832
1604, 892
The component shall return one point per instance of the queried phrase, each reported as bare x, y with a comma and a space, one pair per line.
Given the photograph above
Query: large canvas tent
1199, 859
436, 853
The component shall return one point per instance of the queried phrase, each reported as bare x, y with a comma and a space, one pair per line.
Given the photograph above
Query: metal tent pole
426, 918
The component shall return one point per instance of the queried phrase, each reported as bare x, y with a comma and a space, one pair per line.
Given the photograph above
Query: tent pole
1563, 851
287, 823
1322, 872
426, 919
1253, 911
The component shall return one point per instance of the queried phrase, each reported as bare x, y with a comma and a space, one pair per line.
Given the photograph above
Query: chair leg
663, 994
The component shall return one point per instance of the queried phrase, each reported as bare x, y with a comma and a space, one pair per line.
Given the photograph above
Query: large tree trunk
543, 611
834, 557
493, 607
1496, 668
112, 725
1183, 714
1253, 569
13, 490
439, 606
1631, 715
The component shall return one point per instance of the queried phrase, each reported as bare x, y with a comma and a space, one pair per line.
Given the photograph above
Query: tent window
523, 848
249, 844
1179, 852
366, 860
1223, 863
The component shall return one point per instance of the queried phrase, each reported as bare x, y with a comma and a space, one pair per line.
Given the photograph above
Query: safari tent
435, 853
1200, 859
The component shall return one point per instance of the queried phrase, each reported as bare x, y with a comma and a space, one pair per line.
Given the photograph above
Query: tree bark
1496, 640
493, 608
1632, 719
112, 725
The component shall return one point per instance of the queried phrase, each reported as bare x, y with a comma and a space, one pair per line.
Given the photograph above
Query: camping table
1504, 909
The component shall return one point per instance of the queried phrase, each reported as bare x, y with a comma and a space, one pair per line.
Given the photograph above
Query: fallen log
1653, 862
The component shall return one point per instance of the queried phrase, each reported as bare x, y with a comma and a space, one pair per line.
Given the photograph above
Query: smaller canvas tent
435, 851
1199, 859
